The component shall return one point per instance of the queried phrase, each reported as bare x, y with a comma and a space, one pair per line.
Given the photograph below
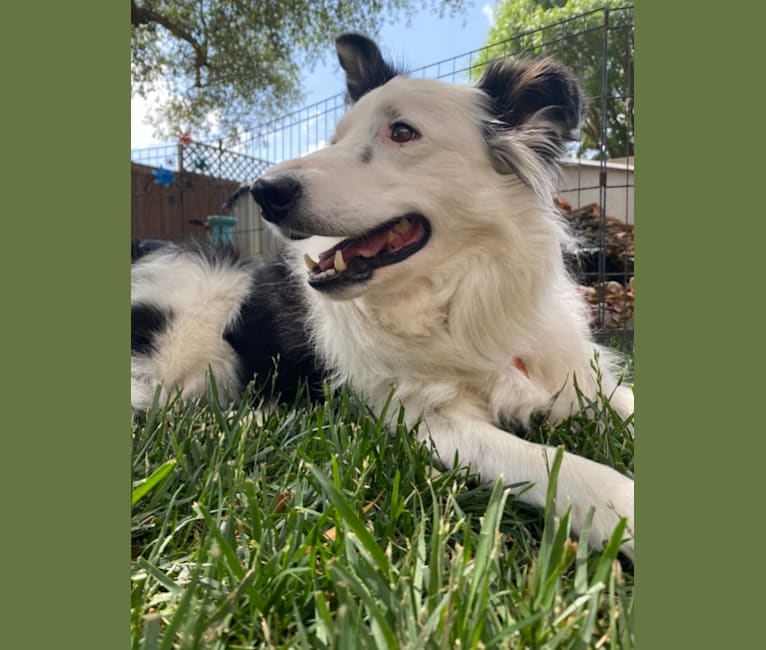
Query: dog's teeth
403, 226
310, 264
323, 275
339, 263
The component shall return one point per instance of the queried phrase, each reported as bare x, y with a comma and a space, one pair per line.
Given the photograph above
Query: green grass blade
181, 612
487, 541
158, 575
152, 629
515, 627
376, 609
352, 520
152, 481
228, 552
581, 559
609, 554
231, 600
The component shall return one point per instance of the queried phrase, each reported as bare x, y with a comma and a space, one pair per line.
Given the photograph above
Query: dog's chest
410, 349
381, 343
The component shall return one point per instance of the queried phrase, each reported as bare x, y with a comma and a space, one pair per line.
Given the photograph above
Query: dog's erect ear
364, 65
538, 100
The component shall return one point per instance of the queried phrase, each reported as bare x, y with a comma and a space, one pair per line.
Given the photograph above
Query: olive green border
699, 233
65, 269
699, 239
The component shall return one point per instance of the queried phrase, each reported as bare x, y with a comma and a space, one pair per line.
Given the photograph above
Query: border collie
424, 256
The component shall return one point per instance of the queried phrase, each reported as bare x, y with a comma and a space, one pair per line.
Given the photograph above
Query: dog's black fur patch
521, 90
146, 321
363, 64
540, 96
367, 154
271, 331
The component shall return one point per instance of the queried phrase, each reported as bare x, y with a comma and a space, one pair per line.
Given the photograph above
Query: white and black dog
424, 256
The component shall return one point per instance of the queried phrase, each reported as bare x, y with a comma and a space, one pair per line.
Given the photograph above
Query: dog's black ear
363, 63
539, 100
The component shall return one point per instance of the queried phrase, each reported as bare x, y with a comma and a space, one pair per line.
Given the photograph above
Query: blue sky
426, 40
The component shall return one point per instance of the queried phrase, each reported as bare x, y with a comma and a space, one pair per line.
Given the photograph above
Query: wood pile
616, 301
606, 284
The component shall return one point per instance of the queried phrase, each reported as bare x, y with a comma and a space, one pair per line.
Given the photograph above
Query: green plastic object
222, 229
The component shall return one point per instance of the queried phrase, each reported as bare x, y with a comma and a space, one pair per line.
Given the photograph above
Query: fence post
603, 156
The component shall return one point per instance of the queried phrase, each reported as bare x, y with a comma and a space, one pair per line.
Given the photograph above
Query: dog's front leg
494, 453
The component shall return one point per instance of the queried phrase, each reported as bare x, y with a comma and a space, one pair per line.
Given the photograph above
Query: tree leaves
573, 32
222, 67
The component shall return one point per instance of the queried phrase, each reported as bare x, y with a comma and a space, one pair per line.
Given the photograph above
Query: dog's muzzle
276, 197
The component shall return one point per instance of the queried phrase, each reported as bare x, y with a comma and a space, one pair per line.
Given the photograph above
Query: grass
315, 526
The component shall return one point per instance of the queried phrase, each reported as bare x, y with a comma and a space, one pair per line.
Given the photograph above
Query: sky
426, 40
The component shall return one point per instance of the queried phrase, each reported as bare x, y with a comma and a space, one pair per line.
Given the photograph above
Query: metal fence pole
603, 156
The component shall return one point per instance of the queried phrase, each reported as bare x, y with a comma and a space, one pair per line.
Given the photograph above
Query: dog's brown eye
401, 132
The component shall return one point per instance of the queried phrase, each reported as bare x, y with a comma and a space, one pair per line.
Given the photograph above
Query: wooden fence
178, 211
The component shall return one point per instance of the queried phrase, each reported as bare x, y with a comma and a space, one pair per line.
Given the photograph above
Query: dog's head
418, 168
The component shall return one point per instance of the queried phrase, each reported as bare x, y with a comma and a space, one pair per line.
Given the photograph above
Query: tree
239, 61
573, 32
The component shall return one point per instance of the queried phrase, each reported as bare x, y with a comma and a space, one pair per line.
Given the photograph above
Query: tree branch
144, 16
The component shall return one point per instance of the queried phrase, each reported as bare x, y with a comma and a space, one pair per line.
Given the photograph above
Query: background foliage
572, 31
222, 66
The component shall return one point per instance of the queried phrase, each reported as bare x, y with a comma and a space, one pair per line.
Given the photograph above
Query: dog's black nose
276, 197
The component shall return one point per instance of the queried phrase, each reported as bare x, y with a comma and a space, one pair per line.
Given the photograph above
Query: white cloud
316, 147
141, 133
488, 11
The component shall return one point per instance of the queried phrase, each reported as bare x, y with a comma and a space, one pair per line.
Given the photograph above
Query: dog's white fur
204, 298
444, 327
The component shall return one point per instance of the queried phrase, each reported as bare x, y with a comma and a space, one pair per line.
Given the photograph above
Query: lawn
317, 526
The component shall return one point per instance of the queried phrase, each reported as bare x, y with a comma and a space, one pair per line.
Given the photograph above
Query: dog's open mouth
354, 260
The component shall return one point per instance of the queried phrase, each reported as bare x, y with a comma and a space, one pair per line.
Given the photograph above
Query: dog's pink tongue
367, 247
393, 239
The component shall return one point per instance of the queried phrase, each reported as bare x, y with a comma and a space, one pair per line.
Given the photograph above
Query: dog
424, 261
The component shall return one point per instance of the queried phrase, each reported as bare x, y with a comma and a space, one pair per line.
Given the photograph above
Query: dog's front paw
617, 504
611, 494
